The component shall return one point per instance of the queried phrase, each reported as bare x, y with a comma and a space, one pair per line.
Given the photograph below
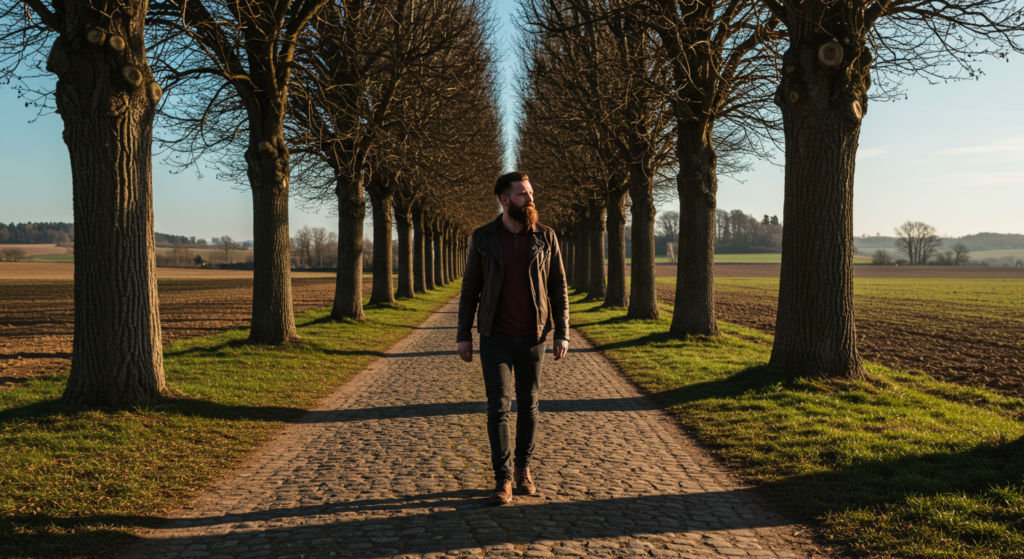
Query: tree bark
273, 319
582, 257
568, 256
439, 279
822, 107
419, 284
383, 291
448, 272
428, 255
597, 289
117, 356
403, 222
348, 289
642, 301
617, 294
697, 185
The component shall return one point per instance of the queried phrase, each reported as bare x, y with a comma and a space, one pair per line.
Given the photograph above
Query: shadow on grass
209, 350
186, 407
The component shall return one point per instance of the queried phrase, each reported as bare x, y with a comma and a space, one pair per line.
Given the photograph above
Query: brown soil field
36, 250
967, 340
666, 270
36, 317
66, 271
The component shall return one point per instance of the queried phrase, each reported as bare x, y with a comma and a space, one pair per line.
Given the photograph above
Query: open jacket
481, 284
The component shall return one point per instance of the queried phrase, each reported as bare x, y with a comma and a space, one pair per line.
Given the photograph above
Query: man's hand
560, 349
466, 351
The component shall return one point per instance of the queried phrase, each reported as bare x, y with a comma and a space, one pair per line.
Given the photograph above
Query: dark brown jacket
481, 284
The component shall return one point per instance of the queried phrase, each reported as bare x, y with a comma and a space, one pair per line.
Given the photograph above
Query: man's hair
505, 181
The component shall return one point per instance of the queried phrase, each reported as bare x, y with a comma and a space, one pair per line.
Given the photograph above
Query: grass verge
79, 485
903, 466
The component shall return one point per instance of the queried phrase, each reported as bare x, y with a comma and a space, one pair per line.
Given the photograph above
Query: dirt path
395, 464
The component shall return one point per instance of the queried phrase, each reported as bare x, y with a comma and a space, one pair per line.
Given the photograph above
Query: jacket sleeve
558, 292
472, 285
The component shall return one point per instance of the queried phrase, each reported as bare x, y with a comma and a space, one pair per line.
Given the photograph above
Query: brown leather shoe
524, 483
502, 493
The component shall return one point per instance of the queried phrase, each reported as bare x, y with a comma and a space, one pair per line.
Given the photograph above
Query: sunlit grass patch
901, 466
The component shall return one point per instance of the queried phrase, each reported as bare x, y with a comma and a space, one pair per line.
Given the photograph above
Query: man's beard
525, 215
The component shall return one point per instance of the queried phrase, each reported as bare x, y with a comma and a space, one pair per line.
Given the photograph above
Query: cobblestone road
395, 464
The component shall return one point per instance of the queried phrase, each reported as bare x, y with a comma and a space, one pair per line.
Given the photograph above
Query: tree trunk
428, 255
449, 276
419, 284
117, 356
383, 284
439, 279
642, 301
273, 321
348, 290
568, 245
403, 222
697, 185
822, 106
597, 290
617, 294
582, 257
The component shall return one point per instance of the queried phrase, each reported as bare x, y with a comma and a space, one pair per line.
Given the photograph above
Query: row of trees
634, 96
331, 99
36, 233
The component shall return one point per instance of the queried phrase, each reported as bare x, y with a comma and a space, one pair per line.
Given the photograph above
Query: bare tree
918, 241
302, 247
840, 52
668, 225
318, 242
13, 254
226, 244
720, 56
105, 94
230, 63
881, 257
961, 254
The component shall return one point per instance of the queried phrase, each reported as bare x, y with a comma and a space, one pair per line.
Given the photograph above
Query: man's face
518, 202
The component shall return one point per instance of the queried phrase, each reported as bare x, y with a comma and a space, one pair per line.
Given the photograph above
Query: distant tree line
36, 233
739, 233
735, 233
922, 245
165, 240
316, 247
976, 242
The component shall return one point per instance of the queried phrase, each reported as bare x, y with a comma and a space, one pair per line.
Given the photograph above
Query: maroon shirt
516, 313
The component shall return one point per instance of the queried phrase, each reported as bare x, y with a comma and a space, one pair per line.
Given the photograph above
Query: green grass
79, 485
903, 466
1000, 253
52, 258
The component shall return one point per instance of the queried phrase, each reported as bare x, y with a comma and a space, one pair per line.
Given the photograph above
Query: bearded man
514, 276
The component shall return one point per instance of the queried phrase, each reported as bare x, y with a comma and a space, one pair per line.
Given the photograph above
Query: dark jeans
501, 354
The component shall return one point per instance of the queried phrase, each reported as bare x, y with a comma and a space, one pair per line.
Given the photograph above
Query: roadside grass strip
79, 485
900, 466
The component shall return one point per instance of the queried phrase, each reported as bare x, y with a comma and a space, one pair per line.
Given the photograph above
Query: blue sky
950, 155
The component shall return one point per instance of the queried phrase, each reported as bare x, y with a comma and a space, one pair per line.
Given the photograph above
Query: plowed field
968, 328
36, 315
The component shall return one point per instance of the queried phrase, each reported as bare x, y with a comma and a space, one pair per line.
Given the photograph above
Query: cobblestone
396, 464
